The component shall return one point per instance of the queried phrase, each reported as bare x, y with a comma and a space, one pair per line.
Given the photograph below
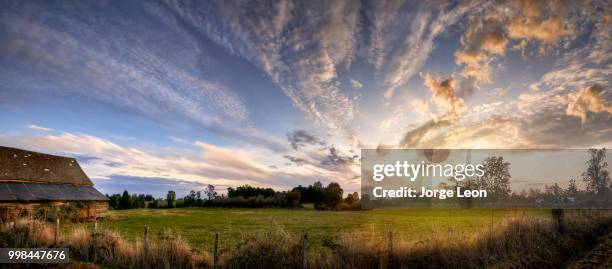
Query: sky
158, 95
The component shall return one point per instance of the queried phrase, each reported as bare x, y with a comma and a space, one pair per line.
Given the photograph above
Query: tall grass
516, 243
104, 247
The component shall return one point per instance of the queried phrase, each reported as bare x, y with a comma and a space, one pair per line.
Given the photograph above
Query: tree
349, 199
210, 192
311, 194
596, 176
572, 189
171, 198
247, 191
190, 199
124, 202
555, 192
333, 195
293, 198
496, 177
114, 200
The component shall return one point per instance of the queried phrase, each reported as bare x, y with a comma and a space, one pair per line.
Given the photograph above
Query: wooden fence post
390, 249
305, 252
93, 239
557, 218
146, 246
57, 230
215, 253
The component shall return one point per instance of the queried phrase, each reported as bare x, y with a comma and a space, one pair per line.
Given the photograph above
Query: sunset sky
158, 95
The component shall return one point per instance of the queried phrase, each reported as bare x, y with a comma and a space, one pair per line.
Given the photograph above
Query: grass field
198, 225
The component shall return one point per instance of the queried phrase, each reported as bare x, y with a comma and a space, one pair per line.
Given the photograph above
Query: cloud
418, 137
315, 154
535, 120
302, 61
420, 106
202, 163
39, 128
386, 22
301, 138
420, 43
205, 163
541, 21
178, 140
443, 94
476, 65
483, 38
92, 57
587, 100
487, 37
337, 159
499, 91
158, 187
297, 161
356, 84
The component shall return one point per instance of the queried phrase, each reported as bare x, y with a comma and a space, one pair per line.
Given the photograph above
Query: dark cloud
337, 158
86, 158
296, 160
551, 127
302, 138
414, 137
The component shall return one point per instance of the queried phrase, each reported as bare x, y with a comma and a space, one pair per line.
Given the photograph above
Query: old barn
32, 182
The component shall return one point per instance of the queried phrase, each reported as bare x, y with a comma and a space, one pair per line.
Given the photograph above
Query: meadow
198, 226
380, 238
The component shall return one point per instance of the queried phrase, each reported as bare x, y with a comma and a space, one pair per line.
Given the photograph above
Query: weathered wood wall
86, 210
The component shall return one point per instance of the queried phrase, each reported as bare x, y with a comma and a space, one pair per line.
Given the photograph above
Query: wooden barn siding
87, 210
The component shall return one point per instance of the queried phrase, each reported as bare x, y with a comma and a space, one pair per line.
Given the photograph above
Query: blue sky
281, 93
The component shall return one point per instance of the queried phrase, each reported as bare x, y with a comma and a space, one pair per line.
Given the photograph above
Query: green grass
198, 225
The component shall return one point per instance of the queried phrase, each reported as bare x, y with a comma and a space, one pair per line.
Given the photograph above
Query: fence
557, 223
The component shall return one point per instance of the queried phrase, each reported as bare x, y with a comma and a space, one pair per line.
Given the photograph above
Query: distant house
31, 181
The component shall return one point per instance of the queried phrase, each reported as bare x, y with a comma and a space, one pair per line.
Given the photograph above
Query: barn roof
19, 165
33, 176
17, 191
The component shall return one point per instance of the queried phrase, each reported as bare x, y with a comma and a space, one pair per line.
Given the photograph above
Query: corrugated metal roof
23, 165
14, 191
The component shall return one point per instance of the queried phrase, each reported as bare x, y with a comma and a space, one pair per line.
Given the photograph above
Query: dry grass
104, 247
516, 243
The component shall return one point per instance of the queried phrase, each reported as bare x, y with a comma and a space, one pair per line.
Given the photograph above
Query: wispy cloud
425, 27
128, 70
39, 128
299, 52
205, 163
201, 163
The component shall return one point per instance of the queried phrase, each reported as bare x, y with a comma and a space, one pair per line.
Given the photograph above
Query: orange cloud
443, 94
481, 41
494, 42
534, 23
587, 100
476, 65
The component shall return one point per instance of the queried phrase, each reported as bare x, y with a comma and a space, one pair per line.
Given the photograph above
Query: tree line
329, 197
496, 180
